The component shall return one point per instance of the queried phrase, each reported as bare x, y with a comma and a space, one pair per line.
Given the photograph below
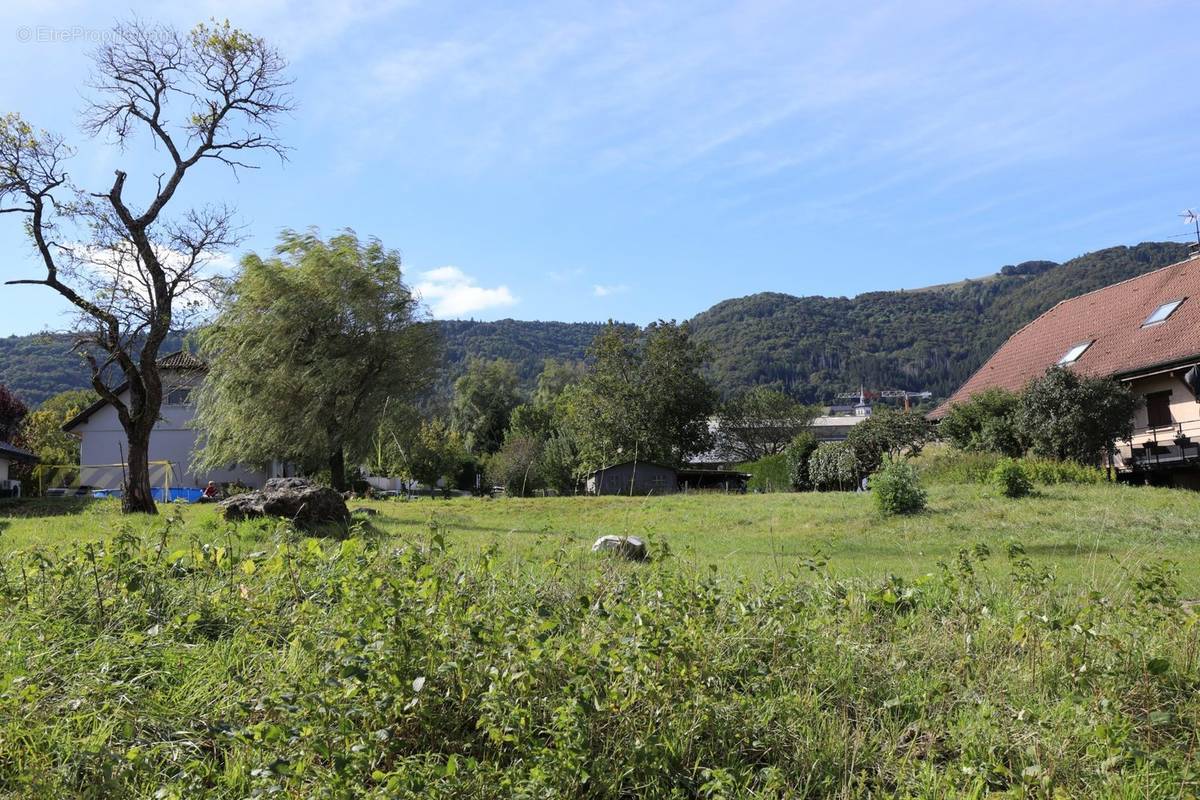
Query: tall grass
381, 668
946, 466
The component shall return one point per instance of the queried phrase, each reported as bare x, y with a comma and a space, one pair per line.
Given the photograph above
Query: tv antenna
1192, 218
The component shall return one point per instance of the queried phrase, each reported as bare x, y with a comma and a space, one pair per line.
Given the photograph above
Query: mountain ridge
812, 346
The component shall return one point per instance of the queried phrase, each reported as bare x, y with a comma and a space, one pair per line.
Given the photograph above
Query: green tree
42, 433
436, 452
559, 463
309, 350
1070, 417
987, 423
798, 453
539, 438
833, 465
761, 422
484, 399
556, 375
643, 396
210, 96
398, 426
516, 465
888, 433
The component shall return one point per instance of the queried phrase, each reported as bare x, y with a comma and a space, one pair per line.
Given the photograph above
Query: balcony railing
1160, 446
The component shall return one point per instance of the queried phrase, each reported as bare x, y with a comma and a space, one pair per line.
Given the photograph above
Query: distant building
1144, 332
831, 428
9, 455
648, 478
102, 440
862, 408
633, 477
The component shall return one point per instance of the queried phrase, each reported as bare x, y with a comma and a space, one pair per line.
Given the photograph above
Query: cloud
453, 293
606, 291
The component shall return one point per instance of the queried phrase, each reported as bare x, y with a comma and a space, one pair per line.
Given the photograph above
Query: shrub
897, 489
888, 433
962, 467
1011, 479
798, 453
833, 466
985, 423
768, 474
956, 466
1066, 416
1050, 472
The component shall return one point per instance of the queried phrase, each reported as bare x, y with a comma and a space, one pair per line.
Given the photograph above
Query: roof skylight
1162, 312
1072, 355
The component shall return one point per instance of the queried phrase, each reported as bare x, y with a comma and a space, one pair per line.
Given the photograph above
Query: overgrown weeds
364, 668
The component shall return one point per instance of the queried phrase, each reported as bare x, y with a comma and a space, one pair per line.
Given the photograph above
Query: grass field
777, 646
1092, 535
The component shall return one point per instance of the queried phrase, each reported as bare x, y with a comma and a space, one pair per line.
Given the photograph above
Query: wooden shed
633, 477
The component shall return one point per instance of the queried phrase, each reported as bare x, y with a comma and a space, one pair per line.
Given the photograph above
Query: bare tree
213, 94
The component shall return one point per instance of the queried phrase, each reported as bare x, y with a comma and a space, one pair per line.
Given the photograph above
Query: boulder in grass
630, 547
302, 501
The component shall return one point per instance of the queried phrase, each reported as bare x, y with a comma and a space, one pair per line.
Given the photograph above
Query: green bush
833, 467
896, 489
768, 474
1011, 479
798, 453
985, 424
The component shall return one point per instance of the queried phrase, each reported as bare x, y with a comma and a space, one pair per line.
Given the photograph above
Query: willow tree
309, 351
132, 271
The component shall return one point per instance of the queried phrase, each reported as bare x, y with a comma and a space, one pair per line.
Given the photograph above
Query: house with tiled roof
1144, 332
102, 440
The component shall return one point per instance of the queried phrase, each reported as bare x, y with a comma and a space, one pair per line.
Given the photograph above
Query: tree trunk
137, 497
337, 470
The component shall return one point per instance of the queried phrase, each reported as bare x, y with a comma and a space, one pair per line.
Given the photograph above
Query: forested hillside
38, 366
919, 340
813, 347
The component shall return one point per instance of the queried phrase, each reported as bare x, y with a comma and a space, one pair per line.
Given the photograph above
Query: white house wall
102, 442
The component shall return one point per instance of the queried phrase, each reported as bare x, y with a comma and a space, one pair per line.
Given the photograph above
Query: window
1072, 355
1158, 409
178, 397
1162, 312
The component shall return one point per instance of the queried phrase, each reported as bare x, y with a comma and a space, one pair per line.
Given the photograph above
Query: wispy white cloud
753, 88
600, 290
453, 293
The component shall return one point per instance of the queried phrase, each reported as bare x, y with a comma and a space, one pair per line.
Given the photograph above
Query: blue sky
584, 160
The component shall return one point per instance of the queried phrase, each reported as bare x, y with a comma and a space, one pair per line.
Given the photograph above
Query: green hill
927, 339
933, 339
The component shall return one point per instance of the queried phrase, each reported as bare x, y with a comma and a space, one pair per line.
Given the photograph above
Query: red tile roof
182, 360
1111, 318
